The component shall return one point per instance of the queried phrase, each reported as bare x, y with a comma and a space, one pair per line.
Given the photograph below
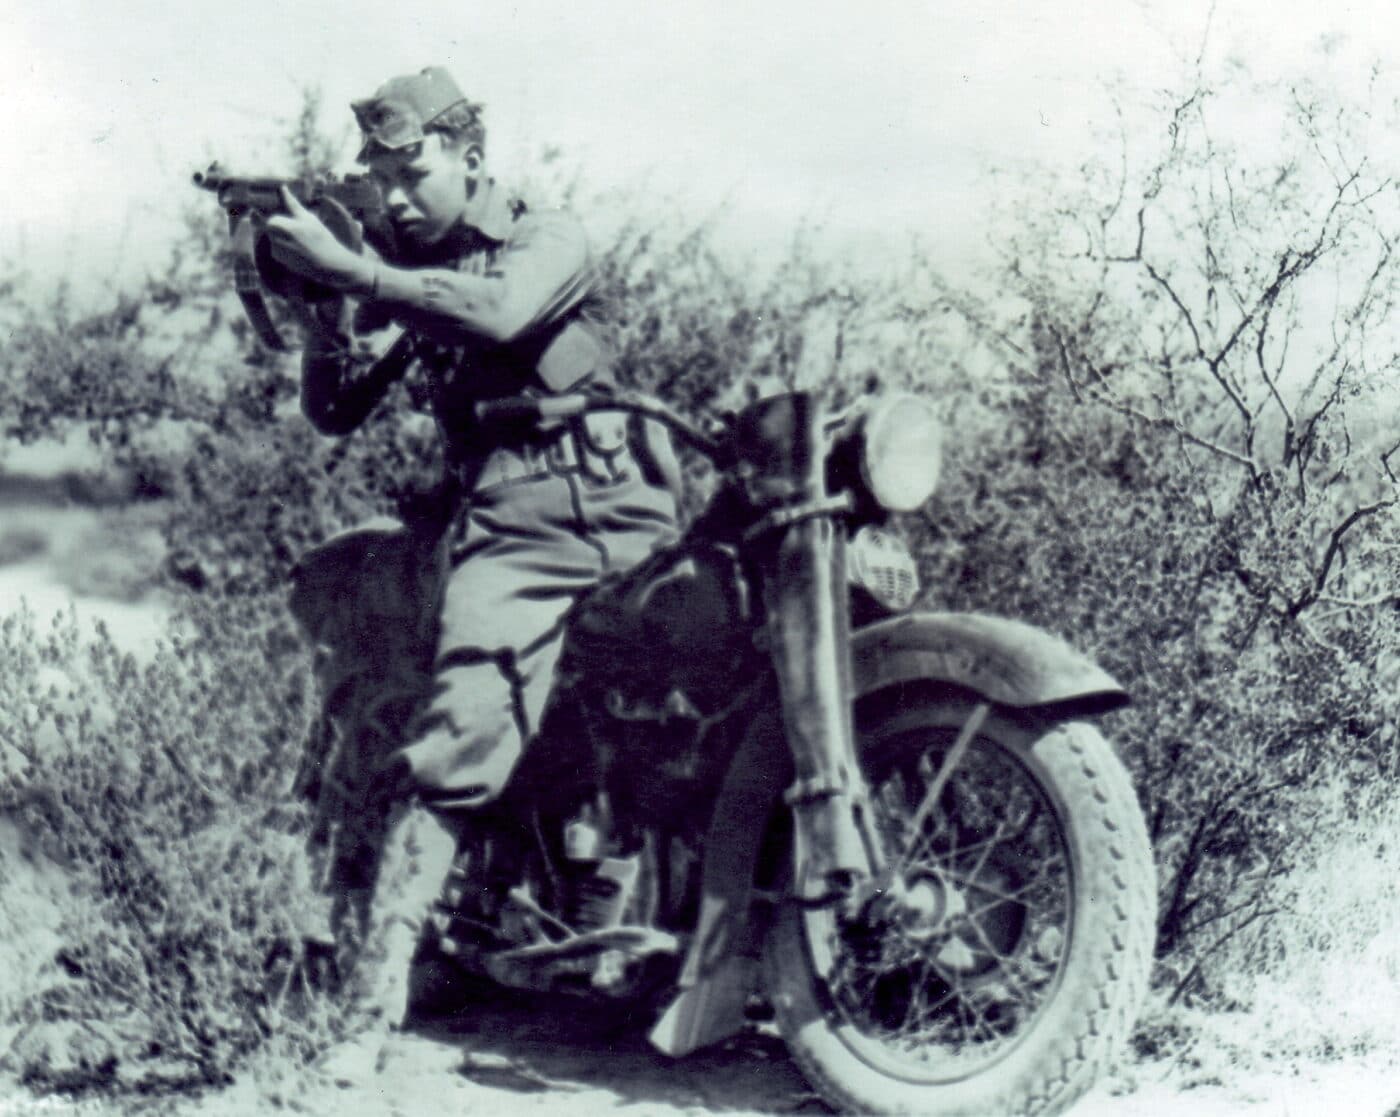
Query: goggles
387, 125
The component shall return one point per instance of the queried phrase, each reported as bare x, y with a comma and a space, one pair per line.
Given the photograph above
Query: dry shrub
1321, 979
159, 788
1317, 982
1186, 472
165, 785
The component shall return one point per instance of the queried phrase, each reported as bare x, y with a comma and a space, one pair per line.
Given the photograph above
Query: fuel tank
673, 635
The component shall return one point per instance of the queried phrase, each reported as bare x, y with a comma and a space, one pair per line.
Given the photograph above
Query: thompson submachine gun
352, 208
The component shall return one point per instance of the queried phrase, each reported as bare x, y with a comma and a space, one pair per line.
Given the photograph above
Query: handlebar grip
517, 408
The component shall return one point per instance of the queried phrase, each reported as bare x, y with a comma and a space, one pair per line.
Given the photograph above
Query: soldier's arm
537, 276
345, 371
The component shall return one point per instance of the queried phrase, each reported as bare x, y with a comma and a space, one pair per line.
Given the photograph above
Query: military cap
401, 109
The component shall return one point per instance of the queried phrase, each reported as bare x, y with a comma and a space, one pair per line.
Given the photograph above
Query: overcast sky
872, 116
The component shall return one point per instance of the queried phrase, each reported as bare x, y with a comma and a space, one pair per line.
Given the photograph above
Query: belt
578, 448
512, 465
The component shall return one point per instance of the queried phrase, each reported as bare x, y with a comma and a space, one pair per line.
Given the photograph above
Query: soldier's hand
301, 242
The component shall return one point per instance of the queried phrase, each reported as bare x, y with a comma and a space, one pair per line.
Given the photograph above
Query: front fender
1007, 662
1010, 664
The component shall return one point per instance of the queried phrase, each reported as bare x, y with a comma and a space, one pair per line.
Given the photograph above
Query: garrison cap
401, 109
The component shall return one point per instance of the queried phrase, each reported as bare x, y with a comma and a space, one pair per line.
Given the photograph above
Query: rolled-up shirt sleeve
539, 274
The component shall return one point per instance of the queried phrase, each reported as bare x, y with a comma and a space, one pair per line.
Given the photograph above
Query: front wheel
1004, 952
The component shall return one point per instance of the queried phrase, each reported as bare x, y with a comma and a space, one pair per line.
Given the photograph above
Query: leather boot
418, 853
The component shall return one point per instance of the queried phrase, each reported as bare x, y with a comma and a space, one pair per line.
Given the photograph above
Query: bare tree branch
1334, 546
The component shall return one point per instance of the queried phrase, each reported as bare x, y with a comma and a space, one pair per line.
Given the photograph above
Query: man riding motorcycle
490, 299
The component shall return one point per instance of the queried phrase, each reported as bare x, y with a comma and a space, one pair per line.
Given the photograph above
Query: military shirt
535, 325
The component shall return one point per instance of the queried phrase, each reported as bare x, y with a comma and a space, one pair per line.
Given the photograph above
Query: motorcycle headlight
901, 452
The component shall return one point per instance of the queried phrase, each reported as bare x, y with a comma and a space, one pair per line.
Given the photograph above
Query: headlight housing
901, 452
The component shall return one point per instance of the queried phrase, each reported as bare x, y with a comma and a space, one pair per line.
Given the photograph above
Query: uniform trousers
540, 529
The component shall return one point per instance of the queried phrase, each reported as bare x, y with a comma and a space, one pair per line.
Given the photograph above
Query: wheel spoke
999, 897
965, 821
950, 763
967, 1009
1004, 964
1005, 833
943, 1001
851, 983
914, 1013
987, 847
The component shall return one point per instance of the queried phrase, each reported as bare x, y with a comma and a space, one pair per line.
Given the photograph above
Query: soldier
491, 299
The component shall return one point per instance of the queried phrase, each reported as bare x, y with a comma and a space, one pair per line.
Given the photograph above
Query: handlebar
515, 409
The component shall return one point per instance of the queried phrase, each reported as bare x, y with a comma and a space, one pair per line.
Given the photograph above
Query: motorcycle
763, 781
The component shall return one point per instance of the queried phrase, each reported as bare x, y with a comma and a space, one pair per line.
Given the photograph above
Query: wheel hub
921, 904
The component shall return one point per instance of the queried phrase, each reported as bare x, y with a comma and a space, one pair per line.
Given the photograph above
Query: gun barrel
214, 178
239, 196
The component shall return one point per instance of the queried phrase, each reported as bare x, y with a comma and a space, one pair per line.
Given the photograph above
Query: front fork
807, 605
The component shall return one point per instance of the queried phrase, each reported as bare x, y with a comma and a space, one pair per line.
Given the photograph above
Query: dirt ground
490, 1071
502, 1065
523, 1060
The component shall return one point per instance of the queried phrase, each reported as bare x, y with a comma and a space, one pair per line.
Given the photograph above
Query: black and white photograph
669, 558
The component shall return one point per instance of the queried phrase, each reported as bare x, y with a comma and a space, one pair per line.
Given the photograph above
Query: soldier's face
426, 187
